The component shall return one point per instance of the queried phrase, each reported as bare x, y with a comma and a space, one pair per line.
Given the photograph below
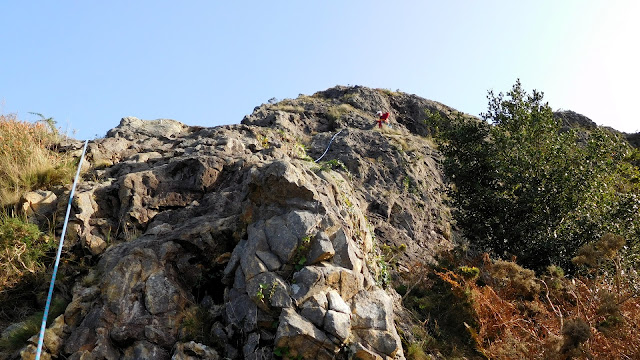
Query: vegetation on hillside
27, 158
28, 161
530, 195
524, 187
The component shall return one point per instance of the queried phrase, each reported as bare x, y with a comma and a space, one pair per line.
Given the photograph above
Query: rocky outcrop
231, 242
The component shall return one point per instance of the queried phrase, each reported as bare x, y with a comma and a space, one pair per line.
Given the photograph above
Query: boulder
302, 338
193, 351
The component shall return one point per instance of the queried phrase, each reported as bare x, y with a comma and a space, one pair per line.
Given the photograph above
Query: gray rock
194, 351
318, 300
282, 241
145, 350
345, 253
234, 262
160, 295
321, 249
241, 310
250, 346
302, 337
315, 314
336, 303
302, 223
338, 324
270, 260
269, 288
307, 282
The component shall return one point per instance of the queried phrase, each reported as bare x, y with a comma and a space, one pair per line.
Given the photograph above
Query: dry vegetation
26, 159
498, 310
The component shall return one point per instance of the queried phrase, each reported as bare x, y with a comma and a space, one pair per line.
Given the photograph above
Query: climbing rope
328, 146
55, 266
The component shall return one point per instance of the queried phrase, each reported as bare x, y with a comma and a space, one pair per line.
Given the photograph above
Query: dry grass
580, 319
26, 161
508, 313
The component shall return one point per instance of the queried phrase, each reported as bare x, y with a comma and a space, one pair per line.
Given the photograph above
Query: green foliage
48, 121
331, 165
526, 187
469, 272
520, 282
300, 256
22, 248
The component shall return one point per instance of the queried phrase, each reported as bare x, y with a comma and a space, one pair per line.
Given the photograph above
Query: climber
382, 117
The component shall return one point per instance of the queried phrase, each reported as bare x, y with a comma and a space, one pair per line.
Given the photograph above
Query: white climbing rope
43, 326
328, 146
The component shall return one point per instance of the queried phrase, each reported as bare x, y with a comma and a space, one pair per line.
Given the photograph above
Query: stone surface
338, 324
302, 338
321, 249
173, 215
194, 351
336, 303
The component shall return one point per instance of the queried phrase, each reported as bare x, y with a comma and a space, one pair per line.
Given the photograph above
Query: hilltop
304, 232
239, 228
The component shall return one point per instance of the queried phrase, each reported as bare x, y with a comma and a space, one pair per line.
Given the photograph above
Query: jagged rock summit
232, 242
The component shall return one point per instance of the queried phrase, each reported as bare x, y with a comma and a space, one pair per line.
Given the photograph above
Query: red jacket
384, 116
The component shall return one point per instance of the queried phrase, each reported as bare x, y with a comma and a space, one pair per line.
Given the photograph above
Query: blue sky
90, 63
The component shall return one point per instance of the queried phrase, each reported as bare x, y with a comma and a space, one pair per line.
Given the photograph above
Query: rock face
231, 242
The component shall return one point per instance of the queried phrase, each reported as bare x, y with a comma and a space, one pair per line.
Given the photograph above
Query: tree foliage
528, 187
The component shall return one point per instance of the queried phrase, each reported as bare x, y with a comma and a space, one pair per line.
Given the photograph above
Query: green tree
527, 187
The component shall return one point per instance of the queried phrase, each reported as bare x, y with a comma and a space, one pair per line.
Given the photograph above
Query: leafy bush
525, 187
26, 162
520, 282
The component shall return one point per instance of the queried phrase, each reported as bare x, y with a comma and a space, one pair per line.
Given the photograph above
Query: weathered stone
130, 126
241, 310
336, 303
270, 260
38, 202
318, 300
282, 241
321, 249
350, 283
383, 342
315, 314
269, 288
302, 337
365, 354
145, 350
372, 310
29, 353
250, 346
54, 336
193, 351
234, 262
345, 253
307, 282
219, 335
301, 223
160, 294
338, 324
252, 266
